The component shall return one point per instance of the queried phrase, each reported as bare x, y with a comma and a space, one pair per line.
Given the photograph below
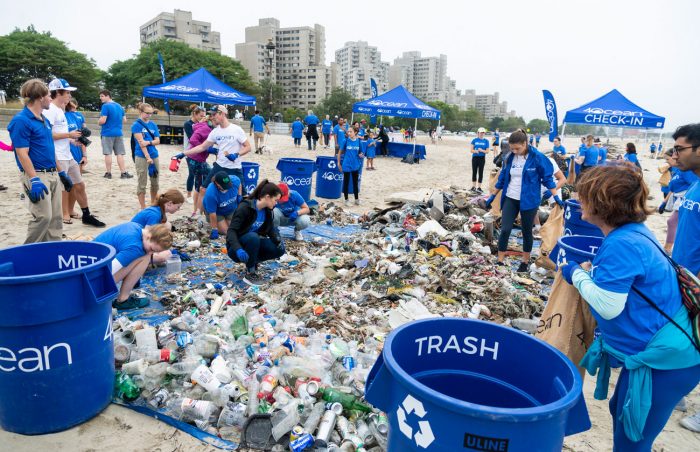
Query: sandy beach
114, 201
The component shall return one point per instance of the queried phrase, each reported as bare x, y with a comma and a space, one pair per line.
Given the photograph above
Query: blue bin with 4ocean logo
457, 384
329, 179
297, 174
251, 172
56, 348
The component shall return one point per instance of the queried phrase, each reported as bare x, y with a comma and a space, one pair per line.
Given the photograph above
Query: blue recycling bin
56, 347
450, 384
251, 171
577, 248
298, 174
329, 179
574, 225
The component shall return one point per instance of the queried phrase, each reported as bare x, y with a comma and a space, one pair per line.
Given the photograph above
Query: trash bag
496, 205
550, 232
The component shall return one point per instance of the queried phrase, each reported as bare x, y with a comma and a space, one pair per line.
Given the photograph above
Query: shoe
500, 264
298, 236
133, 302
692, 423
347, 203
681, 406
90, 220
357, 202
479, 190
126, 175
523, 268
253, 279
189, 200
472, 190
108, 175
2, 187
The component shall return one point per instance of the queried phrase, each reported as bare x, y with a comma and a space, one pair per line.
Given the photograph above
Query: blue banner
375, 93
550, 109
162, 73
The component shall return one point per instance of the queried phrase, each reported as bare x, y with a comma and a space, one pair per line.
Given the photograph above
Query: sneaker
90, 220
189, 200
357, 202
108, 175
472, 190
692, 423
298, 236
2, 187
253, 279
479, 190
133, 302
523, 268
126, 175
348, 203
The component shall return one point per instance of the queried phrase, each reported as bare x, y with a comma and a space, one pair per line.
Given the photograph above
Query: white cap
60, 83
481, 130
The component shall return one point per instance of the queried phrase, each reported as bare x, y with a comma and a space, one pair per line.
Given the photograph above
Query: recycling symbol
332, 164
567, 215
424, 437
561, 257
251, 174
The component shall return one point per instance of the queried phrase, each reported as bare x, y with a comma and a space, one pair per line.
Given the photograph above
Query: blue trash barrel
455, 384
329, 179
574, 225
56, 348
251, 171
577, 248
297, 173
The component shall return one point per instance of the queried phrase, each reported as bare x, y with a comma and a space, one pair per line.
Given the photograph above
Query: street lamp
270, 55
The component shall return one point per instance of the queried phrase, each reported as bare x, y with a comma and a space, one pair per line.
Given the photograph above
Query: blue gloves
213, 150
293, 216
152, 170
37, 190
65, 180
662, 207
242, 255
558, 200
180, 156
183, 256
214, 234
567, 271
232, 157
489, 201
547, 195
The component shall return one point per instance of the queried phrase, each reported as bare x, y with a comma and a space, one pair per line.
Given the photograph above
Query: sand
114, 201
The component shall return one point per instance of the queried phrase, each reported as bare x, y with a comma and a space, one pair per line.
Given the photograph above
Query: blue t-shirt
686, 250
496, 138
326, 126
361, 132
115, 116
297, 129
259, 220
127, 239
351, 157
626, 259
311, 119
370, 148
138, 127
681, 180
652, 148
293, 204
480, 144
28, 131
537, 139
602, 154
532, 138
220, 203
340, 134
75, 120
257, 123
590, 154
560, 149
632, 158
148, 216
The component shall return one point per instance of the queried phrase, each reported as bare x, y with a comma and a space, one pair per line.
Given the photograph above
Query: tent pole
352, 117
415, 129
563, 129
437, 132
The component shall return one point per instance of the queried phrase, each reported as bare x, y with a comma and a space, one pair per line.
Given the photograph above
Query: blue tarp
614, 110
397, 102
199, 86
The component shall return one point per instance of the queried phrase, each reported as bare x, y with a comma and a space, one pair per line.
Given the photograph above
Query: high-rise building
425, 77
490, 106
298, 62
179, 26
357, 63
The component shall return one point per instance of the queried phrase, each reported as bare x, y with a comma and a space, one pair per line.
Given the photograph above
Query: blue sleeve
618, 266
20, 133
236, 184
104, 111
263, 120
502, 176
298, 199
546, 173
563, 151
136, 128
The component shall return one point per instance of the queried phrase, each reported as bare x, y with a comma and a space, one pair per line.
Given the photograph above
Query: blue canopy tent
397, 102
199, 86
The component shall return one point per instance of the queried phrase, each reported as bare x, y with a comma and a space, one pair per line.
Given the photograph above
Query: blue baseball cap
60, 83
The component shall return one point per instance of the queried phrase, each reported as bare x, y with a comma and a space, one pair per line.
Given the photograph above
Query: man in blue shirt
339, 134
686, 151
112, 119
257, 128
537, 139
311, 122
220, 201
35, 155
291, 209
326, 128
652, 149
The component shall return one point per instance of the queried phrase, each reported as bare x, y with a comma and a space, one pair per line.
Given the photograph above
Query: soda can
325, 428
159, 398
312, 387
335, 407
363, 431
304, 442
343, 426
121, 353
348, 362
381, 422
296, 433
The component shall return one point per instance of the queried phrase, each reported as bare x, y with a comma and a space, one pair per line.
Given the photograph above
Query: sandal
68, 221
75, 215
133, 302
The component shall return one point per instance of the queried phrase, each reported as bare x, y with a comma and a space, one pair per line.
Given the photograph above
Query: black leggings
346, 182
384, 148
478, 164
509, 212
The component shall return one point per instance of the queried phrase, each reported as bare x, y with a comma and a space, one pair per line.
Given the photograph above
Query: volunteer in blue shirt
602, 151
252, 236
146, 138
167, 203
220, 201
76, 121
326, 129
349, 163
339, 131
537, 139
496, 140
588, 156
370, 150
258, 126
558, 148
480, 147
311, 122
524, 171
630, 271
291, 209
362, 130
531, 140
652, 149
631, 154
35, 155
296, 129
135, 246
112, 118
677, 186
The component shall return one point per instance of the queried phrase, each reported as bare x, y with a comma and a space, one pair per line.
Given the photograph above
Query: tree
126, 79
472, 119
538, 125
496, 123
339, 102
291, 114
264, 99
513, 123
26, 54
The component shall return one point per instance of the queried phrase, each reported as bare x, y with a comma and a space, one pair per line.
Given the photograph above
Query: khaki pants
46, 224
259, 138
142, 175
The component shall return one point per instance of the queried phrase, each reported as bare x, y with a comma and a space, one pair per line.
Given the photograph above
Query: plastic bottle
206, 345
155, 355
220, 369
314, 418
184, 367
187, 409
284, 420
205, 378
200, 302
125, 388
146, 338
135, 367
349, 401
253, 389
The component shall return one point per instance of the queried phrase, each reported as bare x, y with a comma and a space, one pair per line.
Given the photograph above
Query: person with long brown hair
197, 114
168, 202
146, 138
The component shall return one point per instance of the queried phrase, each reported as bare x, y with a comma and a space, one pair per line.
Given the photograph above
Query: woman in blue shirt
146, 138
660, 364
631, 155
167, 203
297, 131
588, 155
480, 147
524, 171
349, 163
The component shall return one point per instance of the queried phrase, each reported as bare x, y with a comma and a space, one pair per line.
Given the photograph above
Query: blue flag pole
162, 73
550, 109
375, 92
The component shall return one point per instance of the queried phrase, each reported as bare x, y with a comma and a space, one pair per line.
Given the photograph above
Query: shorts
142, 176
72, 168
113, 144
199, 171
224, 217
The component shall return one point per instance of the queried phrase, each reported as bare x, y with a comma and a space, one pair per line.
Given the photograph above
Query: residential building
179, 26
357, 63
425, 77
490, 106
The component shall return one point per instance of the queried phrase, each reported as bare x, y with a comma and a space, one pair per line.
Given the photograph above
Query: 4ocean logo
297, 181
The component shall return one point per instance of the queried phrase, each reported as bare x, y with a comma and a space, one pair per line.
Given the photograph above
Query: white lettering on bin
40, 357
75, 261
472, 346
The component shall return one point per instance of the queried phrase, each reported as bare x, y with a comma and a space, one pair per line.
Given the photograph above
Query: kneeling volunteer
220, 201
292, 209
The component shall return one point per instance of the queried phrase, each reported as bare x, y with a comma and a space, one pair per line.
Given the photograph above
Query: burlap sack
571, 179
567, 323
550, 232
496, 204
665, 178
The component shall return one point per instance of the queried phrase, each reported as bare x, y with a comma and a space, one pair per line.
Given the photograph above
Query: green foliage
538, 125
512, 124
26, 54
339, 102
496, 123
126, 79
263, 103
291, 114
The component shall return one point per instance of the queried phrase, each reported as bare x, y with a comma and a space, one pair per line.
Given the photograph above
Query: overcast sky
577, 49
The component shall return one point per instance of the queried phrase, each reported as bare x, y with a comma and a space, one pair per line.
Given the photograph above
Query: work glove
293, 216
567, 271
65, 180
558, 200
547, 195
37, 190
213, 150
232, 157
214, 234
180, 156
152, 170
183, 256
489, 201
242, 255
662, 207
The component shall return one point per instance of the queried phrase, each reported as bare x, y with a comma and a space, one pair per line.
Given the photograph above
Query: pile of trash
284, 365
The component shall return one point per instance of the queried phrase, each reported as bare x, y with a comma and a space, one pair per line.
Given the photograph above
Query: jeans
355, 181
297, 141
198, 172
259, 249
279, 219
230, 171
509, 211
478, 163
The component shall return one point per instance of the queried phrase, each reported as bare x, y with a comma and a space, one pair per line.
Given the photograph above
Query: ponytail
171, 195
265, 188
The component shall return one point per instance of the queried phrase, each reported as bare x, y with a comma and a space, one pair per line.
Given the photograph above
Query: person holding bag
633, 290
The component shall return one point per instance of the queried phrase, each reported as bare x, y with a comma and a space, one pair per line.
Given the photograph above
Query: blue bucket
574, 225
297, 174
329, 179
457, 384
56, 348
577, 248
251, 171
